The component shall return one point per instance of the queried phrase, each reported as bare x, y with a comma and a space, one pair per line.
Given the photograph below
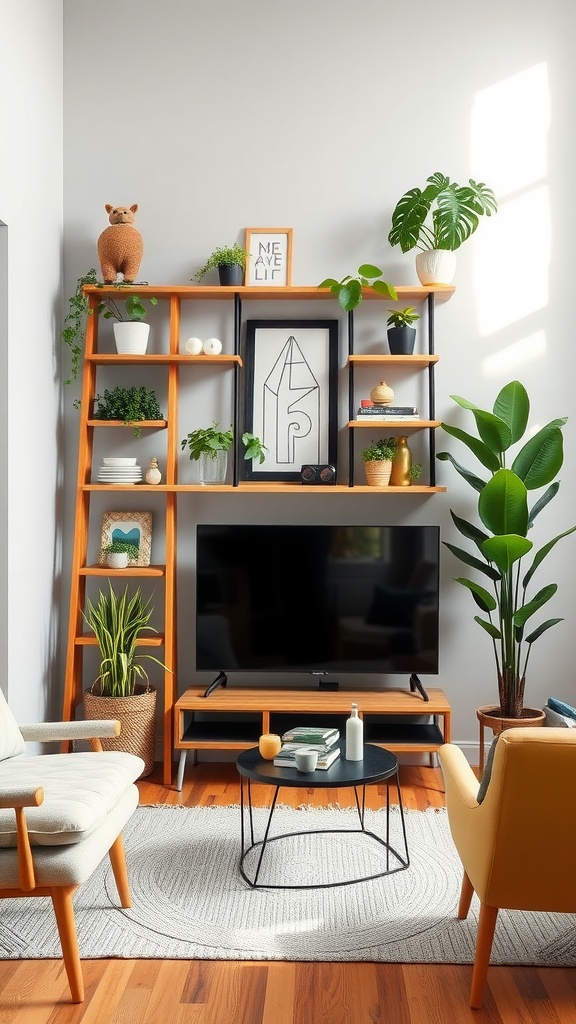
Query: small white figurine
153, 474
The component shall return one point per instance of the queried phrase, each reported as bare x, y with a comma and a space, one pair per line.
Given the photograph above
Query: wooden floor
217, 992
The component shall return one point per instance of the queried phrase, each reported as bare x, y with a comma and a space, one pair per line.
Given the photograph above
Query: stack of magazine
302, 737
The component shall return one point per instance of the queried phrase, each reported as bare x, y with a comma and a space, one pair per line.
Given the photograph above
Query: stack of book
392, 412
324, 741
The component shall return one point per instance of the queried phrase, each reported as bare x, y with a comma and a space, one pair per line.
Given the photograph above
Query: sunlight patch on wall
509, 151
511, 359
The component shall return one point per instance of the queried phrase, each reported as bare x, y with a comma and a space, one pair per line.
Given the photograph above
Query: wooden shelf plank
379, 422
89, 640
412, 361
272, 487
111, 358
144, 424
442, 293
129, 570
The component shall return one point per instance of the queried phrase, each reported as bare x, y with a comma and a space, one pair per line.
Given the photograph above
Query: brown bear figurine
120, 247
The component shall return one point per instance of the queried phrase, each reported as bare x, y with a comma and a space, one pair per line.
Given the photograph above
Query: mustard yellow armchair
517, 847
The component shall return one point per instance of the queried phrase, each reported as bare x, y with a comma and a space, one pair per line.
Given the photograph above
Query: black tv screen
317, 599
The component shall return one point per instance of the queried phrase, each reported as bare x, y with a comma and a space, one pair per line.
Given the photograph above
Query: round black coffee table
378, 765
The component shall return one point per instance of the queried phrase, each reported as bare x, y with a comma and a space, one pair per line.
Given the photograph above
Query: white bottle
354, 736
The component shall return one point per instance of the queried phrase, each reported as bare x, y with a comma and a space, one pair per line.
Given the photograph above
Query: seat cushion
11, 740
79, 792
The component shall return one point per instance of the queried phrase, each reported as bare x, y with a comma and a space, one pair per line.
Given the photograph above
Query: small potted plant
119, 553
130, 332
437, 220
401, 334
122, 689
129, 405
210, 447
229, 261
378, 461
348, 291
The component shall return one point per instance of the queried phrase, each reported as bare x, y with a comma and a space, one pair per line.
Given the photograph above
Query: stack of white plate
119, 471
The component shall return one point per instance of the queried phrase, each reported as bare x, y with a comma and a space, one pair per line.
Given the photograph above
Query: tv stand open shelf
233, 719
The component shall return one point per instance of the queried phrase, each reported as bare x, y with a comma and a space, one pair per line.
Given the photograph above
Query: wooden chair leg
118, 861
64, 912
466, 893
486, 926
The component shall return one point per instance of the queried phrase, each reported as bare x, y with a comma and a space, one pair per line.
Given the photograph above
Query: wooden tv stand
234, 718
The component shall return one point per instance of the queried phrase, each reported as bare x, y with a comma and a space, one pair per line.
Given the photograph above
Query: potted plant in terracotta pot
401, 334
437, 220
377, 460
500, 545
122, 689
229, 261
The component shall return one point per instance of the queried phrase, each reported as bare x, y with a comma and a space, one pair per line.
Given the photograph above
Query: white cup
306, 760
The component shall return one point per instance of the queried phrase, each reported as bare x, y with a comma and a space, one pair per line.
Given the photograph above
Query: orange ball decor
269, 745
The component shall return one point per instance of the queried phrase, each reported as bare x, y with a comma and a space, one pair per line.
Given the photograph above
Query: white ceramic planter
436, 266
131, 337
213, 470
116, 559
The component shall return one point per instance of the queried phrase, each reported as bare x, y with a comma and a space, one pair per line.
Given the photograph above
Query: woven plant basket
137, 715
378, 473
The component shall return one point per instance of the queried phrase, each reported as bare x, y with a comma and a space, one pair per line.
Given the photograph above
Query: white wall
214, 117
30, 268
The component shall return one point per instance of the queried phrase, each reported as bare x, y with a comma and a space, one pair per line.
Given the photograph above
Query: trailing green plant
79, 310
210, 440
348, 291
130, 405
402, 317
455, 212
223, 256
119, 547
117, 622
415, 472
380, 451
502, 538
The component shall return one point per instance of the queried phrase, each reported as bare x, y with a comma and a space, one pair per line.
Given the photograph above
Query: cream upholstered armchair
60, 814
517, 847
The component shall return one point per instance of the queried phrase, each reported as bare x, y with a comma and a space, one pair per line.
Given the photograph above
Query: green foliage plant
223, 256
348, 291
380, 451
440, 216
415, 472
402, 317
130, 405
79, 310
501, 540
117, 622
209, 440
118, 547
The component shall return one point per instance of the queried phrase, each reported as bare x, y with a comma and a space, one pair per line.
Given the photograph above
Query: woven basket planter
137, 716
378, 473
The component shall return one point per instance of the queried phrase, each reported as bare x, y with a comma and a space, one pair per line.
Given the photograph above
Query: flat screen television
320, 599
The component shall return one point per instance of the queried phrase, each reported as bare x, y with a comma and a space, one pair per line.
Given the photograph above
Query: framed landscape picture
291, 394
132, 527
270, 261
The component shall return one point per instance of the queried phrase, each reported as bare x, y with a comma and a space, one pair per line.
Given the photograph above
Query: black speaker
322, 474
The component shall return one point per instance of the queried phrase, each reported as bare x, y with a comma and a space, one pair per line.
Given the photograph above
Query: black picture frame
289, 362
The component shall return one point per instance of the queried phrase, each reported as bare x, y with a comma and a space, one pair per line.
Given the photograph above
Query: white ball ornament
194, 346
213, 347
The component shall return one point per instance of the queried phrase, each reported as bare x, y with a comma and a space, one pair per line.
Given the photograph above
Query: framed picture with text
131, 527
270, 261
291, 395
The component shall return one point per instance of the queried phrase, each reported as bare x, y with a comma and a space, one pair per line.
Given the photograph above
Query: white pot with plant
437, 220
119, 553
130, 332
122, 689
377, 460
209, 446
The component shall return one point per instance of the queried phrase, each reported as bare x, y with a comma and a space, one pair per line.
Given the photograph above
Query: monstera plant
502, 552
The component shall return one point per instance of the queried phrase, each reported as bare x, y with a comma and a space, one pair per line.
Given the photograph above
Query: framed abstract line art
291, 395
132, 527
270, 261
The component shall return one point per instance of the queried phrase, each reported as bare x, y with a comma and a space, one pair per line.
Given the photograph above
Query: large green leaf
541, 555
469, 477
542, 502
484, 453
542, 629
469, 530
521, 615
489, 627
504, 551
387, 290
350, 295
483, 598
407, 219
493, 431
456, 216
513, 406
538, 462
474, 563
503, 504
